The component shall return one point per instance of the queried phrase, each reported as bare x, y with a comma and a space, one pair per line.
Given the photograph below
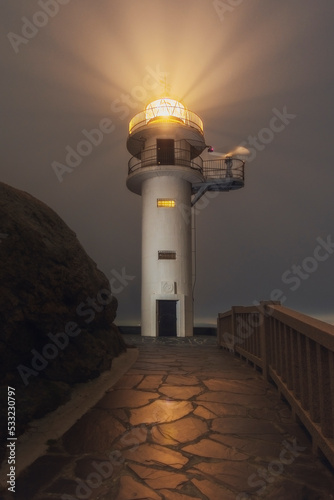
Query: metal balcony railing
177, 115
225, 168
153, 157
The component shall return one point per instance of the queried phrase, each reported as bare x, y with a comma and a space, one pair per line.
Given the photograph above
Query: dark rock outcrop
56, 309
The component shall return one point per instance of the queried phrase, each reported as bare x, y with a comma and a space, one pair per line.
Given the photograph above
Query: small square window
165, 203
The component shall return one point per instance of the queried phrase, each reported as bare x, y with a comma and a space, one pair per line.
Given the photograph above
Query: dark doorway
166, 316
165, 152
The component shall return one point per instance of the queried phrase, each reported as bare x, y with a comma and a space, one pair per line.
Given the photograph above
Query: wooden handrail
294, 351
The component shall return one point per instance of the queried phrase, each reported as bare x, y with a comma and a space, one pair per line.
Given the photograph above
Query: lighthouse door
166, 318
165, 152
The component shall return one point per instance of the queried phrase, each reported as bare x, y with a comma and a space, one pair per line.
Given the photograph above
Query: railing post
225, 330
218, 331
233, 326
325, 396
265, 336
264, 331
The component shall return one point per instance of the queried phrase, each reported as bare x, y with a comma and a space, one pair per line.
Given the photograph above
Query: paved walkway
187, 421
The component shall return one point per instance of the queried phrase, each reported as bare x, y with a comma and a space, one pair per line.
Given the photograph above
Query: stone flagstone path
186, 422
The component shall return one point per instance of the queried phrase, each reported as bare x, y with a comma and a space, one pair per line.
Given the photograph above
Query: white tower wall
166, 229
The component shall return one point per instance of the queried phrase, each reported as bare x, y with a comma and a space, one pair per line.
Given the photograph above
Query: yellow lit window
165, 203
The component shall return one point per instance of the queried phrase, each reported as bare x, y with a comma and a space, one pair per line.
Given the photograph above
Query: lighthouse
166, 142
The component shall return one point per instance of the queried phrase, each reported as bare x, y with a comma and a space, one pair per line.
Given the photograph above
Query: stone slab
154, 454
181, 380
183, 392
159, 479
212, 490
212, 449
265, 447
132, 438
173, 495
248, 426
160, 411
94, 432
236, 387
203, 412
126, 398
184, 430
238, 399
130, 489
234, 474
224, 409
151, 382
128, 381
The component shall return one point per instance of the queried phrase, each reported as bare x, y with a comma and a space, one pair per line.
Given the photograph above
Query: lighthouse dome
165, 109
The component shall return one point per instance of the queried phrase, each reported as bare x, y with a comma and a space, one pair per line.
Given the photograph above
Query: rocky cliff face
56, 309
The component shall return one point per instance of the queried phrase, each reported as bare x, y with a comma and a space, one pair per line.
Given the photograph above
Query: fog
83, 65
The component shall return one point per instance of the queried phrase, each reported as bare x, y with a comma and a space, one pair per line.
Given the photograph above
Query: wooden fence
294, 351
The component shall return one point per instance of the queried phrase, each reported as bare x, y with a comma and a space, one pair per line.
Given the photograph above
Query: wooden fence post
265, 335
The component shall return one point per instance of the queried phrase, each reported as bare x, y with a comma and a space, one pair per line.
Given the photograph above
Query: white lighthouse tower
166, 141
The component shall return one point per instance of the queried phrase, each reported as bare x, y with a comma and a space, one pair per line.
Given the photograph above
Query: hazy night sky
238, 68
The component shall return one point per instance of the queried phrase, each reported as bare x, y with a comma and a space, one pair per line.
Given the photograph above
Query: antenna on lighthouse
166, 87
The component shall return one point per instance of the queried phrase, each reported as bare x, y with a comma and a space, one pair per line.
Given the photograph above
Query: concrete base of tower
167, 315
